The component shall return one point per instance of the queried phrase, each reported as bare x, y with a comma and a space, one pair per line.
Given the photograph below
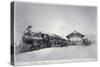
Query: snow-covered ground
58, 53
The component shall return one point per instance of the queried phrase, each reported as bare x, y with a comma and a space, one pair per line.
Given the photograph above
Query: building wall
76, 40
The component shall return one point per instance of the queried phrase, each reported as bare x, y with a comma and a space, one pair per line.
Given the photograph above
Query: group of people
35, 42
46, 40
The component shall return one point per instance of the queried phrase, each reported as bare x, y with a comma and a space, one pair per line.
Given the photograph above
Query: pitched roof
75, 33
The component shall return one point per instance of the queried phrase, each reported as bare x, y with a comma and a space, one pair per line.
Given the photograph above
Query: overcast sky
57, 19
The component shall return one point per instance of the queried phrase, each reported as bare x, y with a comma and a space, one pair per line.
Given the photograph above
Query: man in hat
28, 31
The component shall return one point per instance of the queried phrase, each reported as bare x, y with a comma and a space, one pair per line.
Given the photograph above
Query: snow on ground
58, 53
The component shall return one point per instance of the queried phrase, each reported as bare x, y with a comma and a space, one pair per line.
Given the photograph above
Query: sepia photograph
53, 33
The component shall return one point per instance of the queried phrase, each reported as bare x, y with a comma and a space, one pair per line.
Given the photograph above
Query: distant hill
91, 37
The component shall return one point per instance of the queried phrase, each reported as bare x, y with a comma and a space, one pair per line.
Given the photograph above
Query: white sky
60, 20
